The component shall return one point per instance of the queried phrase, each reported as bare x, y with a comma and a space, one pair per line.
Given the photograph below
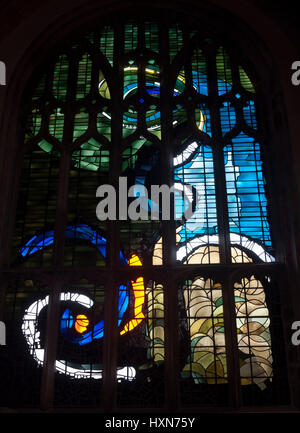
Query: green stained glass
84, 76
91, 156
175, 40
46, 146
37, 199
129, 155
81, 122
103, 86
151, 36
130, 80
83, 183
223, 71
152, 77
56, 124
245, 80
179, 115
33, 124
107, 43
103, 124
129, 121
180, 83
130, 86
153, 120
130, 37
60, 78
199, 73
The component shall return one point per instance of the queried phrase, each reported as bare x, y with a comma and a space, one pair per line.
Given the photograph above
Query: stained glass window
143, 304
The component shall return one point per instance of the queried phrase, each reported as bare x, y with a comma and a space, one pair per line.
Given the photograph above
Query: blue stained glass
153, 117
199, 173
130, 119
67, 321
227, 117
129, 87
247, 203
200, 82
249, 114
98, 330
206, 127
37, 243
80, 231
153, 89
223, 87
201, 86
95, 334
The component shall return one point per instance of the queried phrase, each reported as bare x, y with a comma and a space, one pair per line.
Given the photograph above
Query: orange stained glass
81, 323
139, 298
